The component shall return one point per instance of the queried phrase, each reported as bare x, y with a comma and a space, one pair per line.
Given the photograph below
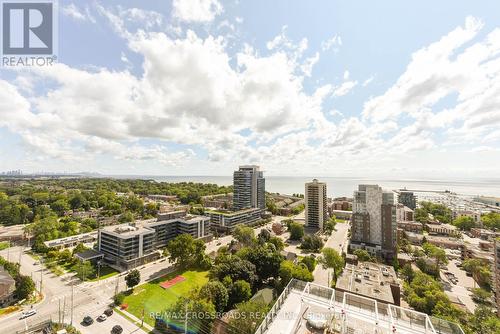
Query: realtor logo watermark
29, 32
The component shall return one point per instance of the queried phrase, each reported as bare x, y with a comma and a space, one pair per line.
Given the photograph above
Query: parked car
468, 274
27, 314
109, 312
87, 320
102, 317
117, 329
219, 243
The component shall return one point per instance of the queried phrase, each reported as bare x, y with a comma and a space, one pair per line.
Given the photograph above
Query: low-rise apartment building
127, 246
482, 233
411, 226
72, 241
443, 229
226, 221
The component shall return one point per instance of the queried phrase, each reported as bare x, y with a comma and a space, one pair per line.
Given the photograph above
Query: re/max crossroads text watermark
29, 32
168, 315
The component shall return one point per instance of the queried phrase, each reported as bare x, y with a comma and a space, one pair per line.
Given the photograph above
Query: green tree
289, 270
480, 270
235, 268
250, 315
264, 236
424, 293
133, 278
362, 255
215, 292
310, 262
265, 259
407, 273
330, 258
185, 251
464, 223
24, 286
329, 225
312, 243
240, 291
244, 234
84, 270
436, 253
181, 312
484, 321
60, 206
126, 217
277, 242
296, 231
491, 220
481, 296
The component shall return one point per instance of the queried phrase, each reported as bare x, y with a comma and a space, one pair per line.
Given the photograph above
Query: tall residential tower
249, 188
374, 221
316, 208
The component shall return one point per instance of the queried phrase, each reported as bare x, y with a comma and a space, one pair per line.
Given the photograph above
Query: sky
383, 88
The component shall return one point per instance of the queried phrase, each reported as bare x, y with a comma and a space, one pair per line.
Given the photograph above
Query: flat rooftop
128, 230
233, 213
369, 279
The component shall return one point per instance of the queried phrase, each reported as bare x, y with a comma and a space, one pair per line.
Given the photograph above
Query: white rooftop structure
310, 308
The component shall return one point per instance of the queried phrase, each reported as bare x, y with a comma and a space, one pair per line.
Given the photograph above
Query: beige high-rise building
316, 208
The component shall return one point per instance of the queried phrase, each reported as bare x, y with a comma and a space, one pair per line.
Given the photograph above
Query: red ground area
172, 282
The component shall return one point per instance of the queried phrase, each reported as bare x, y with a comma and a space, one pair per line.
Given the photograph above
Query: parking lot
106, 325
461, 289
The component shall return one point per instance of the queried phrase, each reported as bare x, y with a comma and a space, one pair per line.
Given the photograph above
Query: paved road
337, 241
88, 299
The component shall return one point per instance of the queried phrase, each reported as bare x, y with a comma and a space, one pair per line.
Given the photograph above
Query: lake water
344, 186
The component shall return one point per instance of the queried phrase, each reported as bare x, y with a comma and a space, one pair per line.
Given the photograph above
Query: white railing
397, 320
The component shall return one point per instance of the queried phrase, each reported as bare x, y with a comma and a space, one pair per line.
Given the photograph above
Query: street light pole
98, 271
64, 309
72, 288
41, 274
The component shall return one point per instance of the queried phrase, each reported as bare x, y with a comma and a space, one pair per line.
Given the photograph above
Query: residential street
337, 241
88, 299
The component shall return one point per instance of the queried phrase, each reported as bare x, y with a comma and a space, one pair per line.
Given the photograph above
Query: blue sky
323, 88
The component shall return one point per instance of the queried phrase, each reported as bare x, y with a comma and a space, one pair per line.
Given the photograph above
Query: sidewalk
132, 318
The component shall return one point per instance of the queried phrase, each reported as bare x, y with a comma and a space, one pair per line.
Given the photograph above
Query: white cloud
309, 63
345, 88
193, 92
196, 10
282, 43
368, 81
430, 76
78, 14
330, 43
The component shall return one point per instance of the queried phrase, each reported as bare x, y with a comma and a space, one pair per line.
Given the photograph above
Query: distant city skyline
197, 87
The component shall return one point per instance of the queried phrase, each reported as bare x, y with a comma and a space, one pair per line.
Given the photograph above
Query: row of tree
236, 273
425, 294
22, 200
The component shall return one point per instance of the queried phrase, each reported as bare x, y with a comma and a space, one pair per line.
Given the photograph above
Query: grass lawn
8, 309
106, 272
4, 245
153, 298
